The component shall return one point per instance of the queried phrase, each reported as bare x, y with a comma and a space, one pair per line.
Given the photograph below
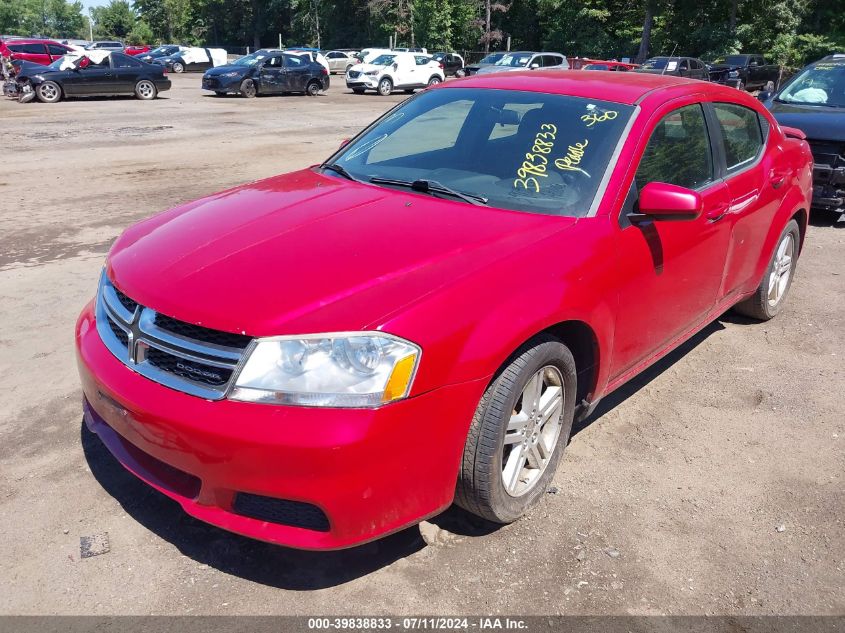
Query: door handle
714, 215
777, 179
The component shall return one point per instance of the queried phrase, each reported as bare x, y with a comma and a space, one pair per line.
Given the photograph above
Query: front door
670, 272
271, 77
97, 78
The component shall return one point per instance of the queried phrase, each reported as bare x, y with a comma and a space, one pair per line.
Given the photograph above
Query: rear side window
551, 60
57, 50
294, 61
124, 61
678, 152
741, 132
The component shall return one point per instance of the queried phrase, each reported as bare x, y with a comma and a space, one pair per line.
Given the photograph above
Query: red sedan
324, 357
136, 50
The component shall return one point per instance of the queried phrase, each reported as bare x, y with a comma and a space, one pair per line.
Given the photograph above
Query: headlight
733, 73
372, 73
231, 73
364, 369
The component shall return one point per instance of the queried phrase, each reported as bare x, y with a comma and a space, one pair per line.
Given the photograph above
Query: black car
489, 60
675, 67
267, 72
162, 51
95, 73
453, 64
814, 102
744, 72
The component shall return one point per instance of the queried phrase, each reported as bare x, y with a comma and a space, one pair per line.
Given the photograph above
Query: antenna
663, 72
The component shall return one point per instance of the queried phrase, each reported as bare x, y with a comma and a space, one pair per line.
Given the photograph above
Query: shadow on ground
286, 568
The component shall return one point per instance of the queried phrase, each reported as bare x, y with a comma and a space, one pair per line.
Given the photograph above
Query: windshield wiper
431, 186
339, 169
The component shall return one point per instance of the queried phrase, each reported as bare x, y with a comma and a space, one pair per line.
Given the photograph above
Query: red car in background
37, 51
584, 63
137, 50
327, 356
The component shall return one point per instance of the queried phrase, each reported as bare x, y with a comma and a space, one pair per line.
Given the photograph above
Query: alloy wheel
781, 269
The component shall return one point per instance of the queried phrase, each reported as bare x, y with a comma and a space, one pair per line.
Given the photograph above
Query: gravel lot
711, 485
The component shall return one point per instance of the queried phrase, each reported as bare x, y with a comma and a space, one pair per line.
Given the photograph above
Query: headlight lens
330, 370
372, 73
231, 73
733, 73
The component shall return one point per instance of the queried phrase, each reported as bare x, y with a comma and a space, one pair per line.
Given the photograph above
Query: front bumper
829, 187
369, 472
362, 81
222, 84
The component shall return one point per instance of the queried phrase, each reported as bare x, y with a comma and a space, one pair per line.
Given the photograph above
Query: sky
93, 3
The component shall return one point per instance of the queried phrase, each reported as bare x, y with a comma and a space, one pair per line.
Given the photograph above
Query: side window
422, 60
34, 49
16, 48
294, 61
56, 50
551, 60
741, 132
678, 152
124, 61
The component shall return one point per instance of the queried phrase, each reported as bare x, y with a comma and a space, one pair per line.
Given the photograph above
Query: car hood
817, 122
362, 68
306, 253
219, 70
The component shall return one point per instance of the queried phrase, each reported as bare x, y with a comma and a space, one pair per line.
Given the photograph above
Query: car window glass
124, 61
294, 61
274, 62
422, 60
741, 133
678, 151
34, 49
56, 50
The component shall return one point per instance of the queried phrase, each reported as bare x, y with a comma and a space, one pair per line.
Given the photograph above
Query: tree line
790, 32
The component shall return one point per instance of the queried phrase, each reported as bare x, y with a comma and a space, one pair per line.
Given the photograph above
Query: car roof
32, 40
627, 88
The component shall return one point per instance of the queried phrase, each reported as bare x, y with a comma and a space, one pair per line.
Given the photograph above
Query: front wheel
248, 88
518, 432
385, 87
312, 89
434, 80
460, 73
178, 68
770, 296
145, 90
48, 92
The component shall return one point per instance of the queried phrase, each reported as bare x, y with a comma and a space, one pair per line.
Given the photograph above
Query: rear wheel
434, 80
313, 88
460, 73
385, 87
145, 90
770, 296
178, 67
248, 88
48, 92
518, 432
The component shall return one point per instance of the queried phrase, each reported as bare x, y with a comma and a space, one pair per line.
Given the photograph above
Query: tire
385, 87
769, 298
488, 460
460, 73
358, 91
48, 92
146, 90
313, 88
248, 88
178, 68
434, 80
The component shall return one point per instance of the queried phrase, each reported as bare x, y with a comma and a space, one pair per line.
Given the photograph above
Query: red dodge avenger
324, 357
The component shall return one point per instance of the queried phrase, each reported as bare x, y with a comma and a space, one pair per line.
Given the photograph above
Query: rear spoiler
793, 132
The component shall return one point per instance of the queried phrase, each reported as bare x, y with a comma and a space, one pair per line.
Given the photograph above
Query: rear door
296, 73
670, 273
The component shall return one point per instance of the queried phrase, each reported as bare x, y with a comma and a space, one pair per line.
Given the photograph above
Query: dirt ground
711, 485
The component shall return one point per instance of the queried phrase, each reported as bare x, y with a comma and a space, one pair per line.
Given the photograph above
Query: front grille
210, 83
282, 511
191, 358
188, 369
204, 334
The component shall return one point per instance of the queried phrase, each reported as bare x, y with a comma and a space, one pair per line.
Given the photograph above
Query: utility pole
90, 24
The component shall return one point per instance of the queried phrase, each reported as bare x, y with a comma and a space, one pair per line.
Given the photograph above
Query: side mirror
764, 95
534, 66
660, 201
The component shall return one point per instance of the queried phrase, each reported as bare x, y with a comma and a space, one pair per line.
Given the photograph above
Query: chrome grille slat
200, 368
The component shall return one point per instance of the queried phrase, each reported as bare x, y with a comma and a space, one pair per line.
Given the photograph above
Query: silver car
340, 61
526, 60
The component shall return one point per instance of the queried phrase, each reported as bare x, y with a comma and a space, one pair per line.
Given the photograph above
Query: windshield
733, 60
514, 60
57, 64
492, 58
249, 60
163, 50
596, 67
658, 62
822, 84
383, 60
526, 151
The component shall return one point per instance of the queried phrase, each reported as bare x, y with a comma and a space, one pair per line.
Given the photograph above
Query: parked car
137, 50
404, 49
458, 302
394, 71
452, 64
111, 45
488, 60
675, 66
94, 73
621, 67
341, 61
526, 60
744, 72
76, 45
42, 52
166, 50
814, 102
267, 72
193, 59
